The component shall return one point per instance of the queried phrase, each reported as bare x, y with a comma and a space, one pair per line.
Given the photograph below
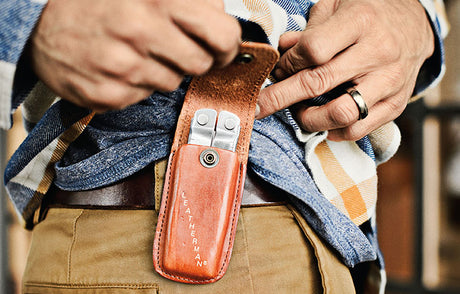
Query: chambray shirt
116, 144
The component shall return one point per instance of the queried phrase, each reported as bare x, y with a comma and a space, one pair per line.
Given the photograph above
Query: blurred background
419, 192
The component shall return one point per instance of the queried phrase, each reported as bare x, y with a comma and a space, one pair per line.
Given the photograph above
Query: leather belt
137, 192
134, 192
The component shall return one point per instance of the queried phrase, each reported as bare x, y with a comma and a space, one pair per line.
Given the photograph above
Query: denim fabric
119, 143
17, 20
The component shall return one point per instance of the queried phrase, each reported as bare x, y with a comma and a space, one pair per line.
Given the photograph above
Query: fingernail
257, 111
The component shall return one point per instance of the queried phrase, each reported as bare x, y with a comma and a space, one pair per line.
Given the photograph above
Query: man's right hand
108, 54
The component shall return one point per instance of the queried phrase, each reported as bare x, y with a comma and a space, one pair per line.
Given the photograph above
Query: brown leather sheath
200, 205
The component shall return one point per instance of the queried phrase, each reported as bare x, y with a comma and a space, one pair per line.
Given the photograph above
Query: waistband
138, 192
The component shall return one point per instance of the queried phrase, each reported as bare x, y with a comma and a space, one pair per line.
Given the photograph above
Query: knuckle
112, 95
288, 63
396, 105
353, 134
117, 63
343, 114
272, 101
388, 48
104, 95
228, 38
319, 8
132, 74
89, 94
219, 4
170, 84
315, 82
228, 42
200, 65
80, 90
394, 78
132, 78
305, 121
366, 14
166, 80
312, 48
133, 31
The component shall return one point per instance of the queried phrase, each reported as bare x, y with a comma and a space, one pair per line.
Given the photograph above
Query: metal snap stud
244, 58
209, 158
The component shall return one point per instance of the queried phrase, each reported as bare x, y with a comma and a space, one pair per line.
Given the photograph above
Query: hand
379, 46
108, 54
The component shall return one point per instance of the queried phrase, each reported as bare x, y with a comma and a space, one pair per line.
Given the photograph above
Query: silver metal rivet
209, 158
230, 124
244, 58
202, 119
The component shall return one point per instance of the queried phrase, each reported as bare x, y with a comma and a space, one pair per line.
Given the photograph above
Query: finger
288, 40
321, 12
118, 61
128, 96
167, 45
216, 30
343, 111
319, 44
309, 83
219, 4
101, 93
153, 74
183, 52
380, 114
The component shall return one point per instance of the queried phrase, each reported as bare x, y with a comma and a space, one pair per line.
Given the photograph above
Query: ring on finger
360, 103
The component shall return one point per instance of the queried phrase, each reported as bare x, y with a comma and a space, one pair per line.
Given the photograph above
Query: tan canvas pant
110, 251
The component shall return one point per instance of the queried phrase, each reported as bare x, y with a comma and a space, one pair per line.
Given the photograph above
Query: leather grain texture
194, 246
202, 225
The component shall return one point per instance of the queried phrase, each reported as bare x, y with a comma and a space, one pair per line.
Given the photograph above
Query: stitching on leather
158, 172
93, 286
163, 214
157, 188
74, 239
234, 217
226, 259
186, 116
167, 192
266, 56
